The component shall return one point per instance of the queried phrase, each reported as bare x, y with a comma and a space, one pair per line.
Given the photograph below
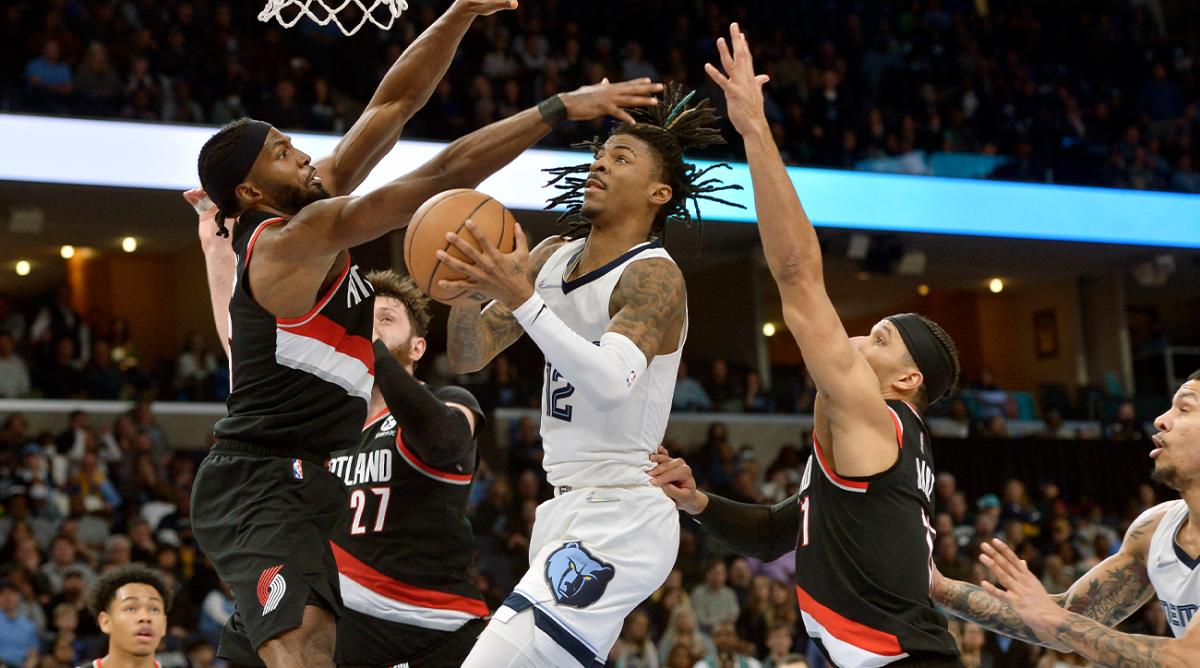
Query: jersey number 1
804, 522
358, 503
556, 397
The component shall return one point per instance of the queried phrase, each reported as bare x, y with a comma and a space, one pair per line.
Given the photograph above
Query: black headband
927, 351
235, 170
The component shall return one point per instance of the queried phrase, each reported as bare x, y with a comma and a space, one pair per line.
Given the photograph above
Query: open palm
743, 88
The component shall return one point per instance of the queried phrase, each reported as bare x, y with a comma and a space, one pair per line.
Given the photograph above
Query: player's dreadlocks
671, 128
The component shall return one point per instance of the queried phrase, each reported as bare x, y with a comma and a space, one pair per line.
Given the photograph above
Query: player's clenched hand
675, 479
610, 99
743, 88
485, 7
1023, 591
501, 276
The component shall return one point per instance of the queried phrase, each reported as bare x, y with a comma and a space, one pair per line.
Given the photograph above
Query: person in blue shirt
18, 635
48, 78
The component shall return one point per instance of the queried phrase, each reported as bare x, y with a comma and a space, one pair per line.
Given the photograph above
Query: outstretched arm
220, 263
404, 90
1107, 594
327, 227
763, 532
1098, 643
847, 385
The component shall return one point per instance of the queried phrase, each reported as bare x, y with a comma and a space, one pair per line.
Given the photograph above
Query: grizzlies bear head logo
576, 578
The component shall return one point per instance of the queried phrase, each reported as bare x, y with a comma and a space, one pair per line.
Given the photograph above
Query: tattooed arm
1107, 594
475, 337
970, 602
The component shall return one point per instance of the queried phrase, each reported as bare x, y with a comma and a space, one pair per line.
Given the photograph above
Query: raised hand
207, 211
609, 99
490, 273
742, 87
486, 7
674, 477
1023, 591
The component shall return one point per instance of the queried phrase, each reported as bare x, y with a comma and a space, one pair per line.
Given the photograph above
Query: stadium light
23, 267
67, 251
996, 285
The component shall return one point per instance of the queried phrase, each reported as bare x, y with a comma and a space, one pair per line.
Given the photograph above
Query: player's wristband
553, 110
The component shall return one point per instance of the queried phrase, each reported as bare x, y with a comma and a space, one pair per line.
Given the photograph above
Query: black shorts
364, 641
265, 523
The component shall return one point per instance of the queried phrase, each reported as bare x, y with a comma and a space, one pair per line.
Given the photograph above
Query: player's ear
105, 622
910, 379
417, 350
248, 194
660, 194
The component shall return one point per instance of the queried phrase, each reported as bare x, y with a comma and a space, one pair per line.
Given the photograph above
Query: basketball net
287, 12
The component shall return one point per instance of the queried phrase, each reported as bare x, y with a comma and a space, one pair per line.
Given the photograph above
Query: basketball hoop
287, 12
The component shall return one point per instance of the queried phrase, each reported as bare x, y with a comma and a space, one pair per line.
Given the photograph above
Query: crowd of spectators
1068, 92
101, 493
54, 352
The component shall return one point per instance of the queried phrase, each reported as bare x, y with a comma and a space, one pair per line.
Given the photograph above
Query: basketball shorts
370, 642
264, 521
595, 554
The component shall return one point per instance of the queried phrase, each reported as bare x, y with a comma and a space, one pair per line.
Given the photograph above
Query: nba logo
297, 469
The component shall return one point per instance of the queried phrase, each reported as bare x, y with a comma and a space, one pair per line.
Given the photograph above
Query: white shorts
595, 554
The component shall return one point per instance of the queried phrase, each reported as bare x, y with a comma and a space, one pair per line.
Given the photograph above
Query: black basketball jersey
299, 384
864, 558
404, 549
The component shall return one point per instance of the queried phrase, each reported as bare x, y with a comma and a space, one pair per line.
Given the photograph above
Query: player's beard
1169, 476
292, 199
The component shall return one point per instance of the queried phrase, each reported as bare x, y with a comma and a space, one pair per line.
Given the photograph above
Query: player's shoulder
656, 273
546, 248
1141, 531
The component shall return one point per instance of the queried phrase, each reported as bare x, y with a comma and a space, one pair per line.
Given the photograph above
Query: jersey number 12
556, 397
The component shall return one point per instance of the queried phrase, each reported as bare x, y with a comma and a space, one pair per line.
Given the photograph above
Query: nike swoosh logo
1165, 563
546, 286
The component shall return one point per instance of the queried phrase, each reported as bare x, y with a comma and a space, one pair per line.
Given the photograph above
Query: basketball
449, 212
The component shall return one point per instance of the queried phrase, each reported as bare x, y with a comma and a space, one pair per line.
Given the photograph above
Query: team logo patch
271, 587
388, 424
576, 578
297, 469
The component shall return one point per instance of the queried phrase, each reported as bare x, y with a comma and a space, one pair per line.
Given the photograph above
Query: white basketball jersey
585, 446
1173, 573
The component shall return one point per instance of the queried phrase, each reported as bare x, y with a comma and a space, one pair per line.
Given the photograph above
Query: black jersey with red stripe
404, 548
864, 558
299, 384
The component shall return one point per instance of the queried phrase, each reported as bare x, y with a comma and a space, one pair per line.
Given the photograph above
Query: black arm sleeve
438, 434
763, 532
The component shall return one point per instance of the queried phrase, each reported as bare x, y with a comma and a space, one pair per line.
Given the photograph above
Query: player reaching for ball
300, 325
609, 311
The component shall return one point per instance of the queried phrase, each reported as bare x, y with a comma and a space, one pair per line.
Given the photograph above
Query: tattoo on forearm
972, 603
1109, 647
475, 339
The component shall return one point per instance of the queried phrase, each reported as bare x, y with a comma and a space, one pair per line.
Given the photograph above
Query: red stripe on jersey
416, 463
899, 427
290, 322
856, 485
321, 328
254, 237
849, 631
356, 570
